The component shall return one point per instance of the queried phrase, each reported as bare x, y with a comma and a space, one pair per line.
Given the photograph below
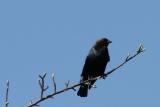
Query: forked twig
42, 84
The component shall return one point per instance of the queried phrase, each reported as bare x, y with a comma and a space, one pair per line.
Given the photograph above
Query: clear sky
38, 36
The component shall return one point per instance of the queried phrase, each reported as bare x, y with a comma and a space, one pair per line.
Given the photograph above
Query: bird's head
104, 42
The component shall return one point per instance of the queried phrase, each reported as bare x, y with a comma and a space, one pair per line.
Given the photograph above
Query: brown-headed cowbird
95, 65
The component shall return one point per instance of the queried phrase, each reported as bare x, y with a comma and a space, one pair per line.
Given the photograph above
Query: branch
7, 94
42, 85
54, 83
127, 59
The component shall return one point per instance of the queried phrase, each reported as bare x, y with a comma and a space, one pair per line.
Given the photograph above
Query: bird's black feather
95, 65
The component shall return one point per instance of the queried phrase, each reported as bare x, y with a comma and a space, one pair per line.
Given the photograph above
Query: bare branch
141, 48
54, 83
7, 94
67, 83
73, 89
128, 58
42, 84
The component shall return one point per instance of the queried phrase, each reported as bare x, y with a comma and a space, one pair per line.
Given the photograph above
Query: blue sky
55, 36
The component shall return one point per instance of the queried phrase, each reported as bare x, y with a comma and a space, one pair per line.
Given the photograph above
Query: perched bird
95, 65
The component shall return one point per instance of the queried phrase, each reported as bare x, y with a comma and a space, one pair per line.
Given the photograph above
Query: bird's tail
83, 90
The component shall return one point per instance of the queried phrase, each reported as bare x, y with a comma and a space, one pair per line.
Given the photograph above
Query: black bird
95, 65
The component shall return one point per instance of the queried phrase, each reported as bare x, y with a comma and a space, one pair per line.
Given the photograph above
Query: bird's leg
91, 82
89, 78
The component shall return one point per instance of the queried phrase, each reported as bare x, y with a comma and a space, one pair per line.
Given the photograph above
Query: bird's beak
109, 41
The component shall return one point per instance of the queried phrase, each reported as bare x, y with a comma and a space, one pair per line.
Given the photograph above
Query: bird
95, 65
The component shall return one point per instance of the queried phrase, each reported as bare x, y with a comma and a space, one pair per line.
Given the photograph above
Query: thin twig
7, 94
67, 83
42, 85
128, 58
54, 82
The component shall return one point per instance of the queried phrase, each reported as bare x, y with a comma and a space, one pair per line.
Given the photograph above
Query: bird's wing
88, 63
